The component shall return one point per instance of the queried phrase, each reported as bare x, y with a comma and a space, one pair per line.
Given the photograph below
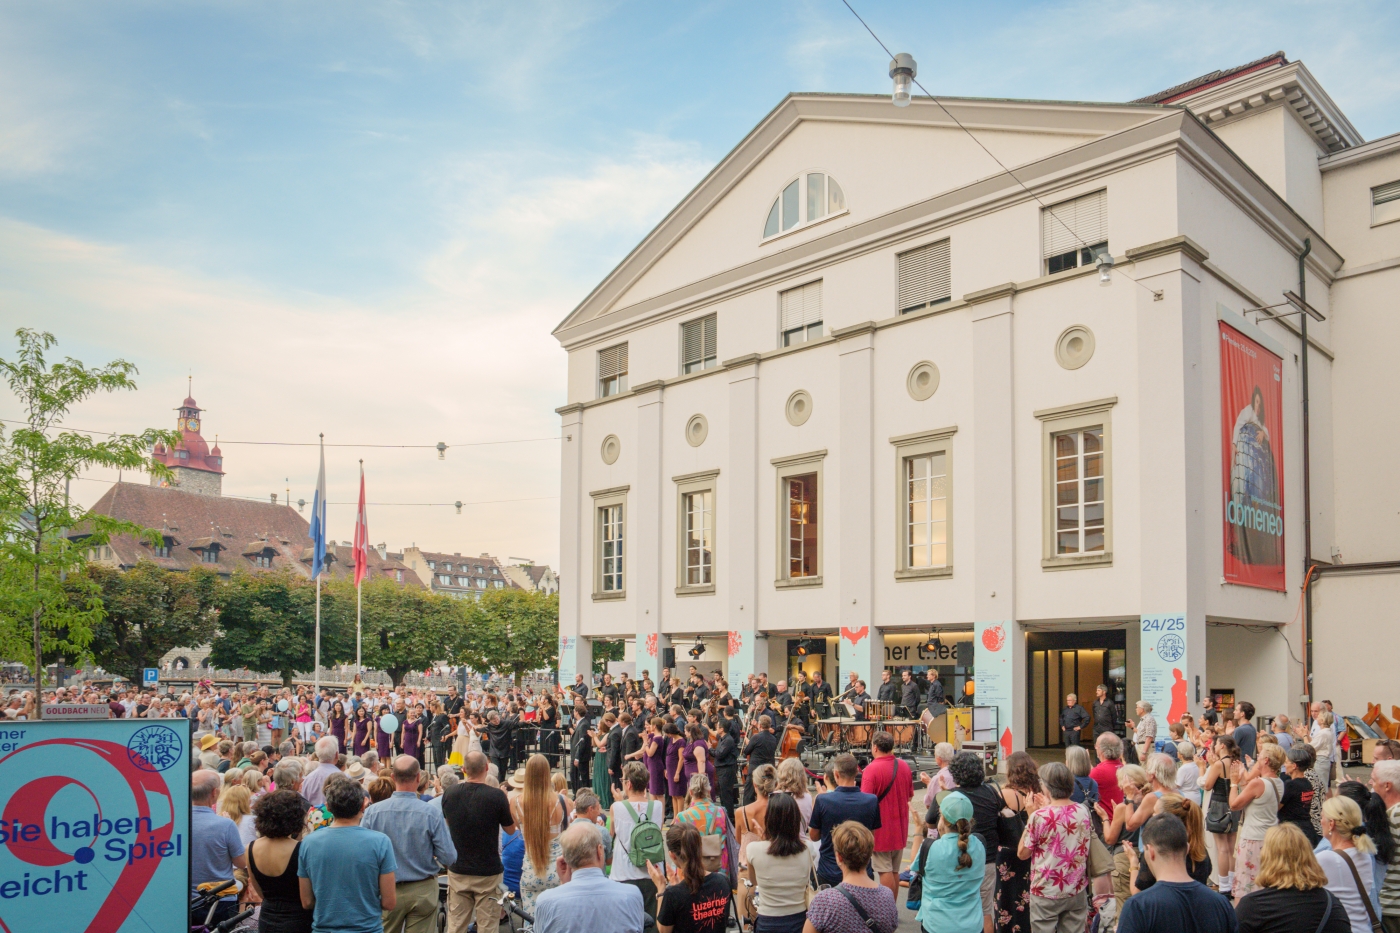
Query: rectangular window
162, 550
1385, 203
610, 547
926, 516
210, 555
612, 371
925, 277
698, 345
1079, 492
398, 576
262, 560
800, 313
1074, 233
463, 581
1077, 509
802, 525
444, 579
699, 544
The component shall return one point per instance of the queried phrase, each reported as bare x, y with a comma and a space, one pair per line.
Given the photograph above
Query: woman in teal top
952, 899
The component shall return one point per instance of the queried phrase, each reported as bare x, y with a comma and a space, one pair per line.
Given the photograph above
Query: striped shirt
1390, 891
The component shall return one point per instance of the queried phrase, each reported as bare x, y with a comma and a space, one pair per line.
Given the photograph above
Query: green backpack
647, 843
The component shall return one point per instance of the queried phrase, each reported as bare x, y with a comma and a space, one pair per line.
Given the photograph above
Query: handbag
1100, 861
1361, 889
1219, 816
711, 844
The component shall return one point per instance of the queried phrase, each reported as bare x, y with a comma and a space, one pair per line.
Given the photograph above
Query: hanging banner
95, 828
1163, 652
1251, 422
993, 676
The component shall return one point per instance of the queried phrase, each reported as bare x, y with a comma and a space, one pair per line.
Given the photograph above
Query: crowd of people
624, 806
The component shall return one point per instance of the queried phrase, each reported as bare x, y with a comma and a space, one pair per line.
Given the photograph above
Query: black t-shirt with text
704, 911
474, 813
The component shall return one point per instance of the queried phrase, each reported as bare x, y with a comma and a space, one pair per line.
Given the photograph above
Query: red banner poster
1251, 427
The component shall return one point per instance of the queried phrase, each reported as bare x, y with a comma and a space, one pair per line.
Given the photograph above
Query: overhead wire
112, 482
518, 440
1156, 294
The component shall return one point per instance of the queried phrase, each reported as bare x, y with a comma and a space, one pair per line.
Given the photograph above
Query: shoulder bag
1361, 889
868, 920
1327, 912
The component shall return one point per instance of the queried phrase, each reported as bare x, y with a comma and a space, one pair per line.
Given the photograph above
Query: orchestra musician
762, 749
859, 698
909, 695
887, 692
820, 692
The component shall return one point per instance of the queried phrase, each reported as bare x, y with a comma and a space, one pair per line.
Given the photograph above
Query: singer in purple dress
654, 754
675, 744
411, 729
382, 739
338, 723
359, 741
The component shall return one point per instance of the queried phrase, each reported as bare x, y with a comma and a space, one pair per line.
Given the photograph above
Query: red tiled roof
1196, 85
465, 567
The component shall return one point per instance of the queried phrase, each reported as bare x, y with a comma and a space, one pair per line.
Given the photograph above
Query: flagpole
359, 669
318, 637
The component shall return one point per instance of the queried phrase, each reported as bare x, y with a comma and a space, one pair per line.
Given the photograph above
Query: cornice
1176, 244
1375, 149
1290, 85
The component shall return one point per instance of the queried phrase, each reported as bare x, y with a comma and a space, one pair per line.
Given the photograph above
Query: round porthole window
611, 450
799, 408
1075, 347
922, 381
696, 430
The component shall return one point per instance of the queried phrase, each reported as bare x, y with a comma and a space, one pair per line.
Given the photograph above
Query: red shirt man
892, 781
1105, 773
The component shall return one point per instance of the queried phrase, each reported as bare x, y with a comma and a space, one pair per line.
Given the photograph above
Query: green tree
510, 632
605, 651
404, 628
39, 614
267, 622
147, 611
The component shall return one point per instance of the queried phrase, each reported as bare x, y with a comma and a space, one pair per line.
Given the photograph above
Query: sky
363, 220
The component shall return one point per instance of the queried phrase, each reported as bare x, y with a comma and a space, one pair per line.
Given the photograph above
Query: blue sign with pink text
94, 834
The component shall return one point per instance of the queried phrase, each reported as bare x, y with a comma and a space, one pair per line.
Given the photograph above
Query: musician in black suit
910, 696
820, 692
935, 691
887, 691
761, 750
859, 699
580, 747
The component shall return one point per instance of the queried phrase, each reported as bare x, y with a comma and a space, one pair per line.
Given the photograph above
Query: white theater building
861, 388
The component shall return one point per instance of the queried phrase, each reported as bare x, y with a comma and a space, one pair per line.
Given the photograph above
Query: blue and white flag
318, 520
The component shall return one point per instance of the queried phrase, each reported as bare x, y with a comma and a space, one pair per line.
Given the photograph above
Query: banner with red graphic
993, 676
1163, 648
94, 835
1251, 427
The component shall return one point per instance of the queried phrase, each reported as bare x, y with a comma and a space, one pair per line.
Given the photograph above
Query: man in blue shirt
421, 843
215, 847
347, 871
1245, 735
846, 802
1177, 901
587, 901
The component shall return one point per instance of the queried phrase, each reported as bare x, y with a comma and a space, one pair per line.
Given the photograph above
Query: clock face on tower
192, 424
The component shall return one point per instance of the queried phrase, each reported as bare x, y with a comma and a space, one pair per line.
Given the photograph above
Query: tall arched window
806, 199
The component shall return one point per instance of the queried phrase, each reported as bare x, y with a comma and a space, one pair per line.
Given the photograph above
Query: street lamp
903, 68
1105, 267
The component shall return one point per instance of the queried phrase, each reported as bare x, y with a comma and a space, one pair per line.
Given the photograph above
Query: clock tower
197, 467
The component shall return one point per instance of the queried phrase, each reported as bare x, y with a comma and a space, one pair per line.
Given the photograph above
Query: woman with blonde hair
1290, 891
236, 803
1117, 835
1348, 865
749, 820
540, 815
255, 781
792, 779
1197, 859
1258, 793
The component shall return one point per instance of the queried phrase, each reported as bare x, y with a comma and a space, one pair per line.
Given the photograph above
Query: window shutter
612, 361
801, 306
1382, 194
711, 334
925, 276
1073, 224
698, 341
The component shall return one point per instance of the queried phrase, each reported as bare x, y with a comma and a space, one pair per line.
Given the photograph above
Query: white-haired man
587, 901
327, 749
1385, 781
215, 846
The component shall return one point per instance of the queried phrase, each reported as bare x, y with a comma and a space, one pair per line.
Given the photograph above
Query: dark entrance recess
1060, 663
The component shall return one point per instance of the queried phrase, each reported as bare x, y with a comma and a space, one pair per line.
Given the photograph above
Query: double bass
794, 731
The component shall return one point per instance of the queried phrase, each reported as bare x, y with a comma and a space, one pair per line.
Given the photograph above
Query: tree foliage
511, 632
39, 614
267, 622
403, 628
149, 611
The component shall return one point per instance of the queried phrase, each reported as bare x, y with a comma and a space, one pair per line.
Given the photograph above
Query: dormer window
444, 579
805, 200
447, 567
163, 549
398, 576
263, 561
210, 555
463, 581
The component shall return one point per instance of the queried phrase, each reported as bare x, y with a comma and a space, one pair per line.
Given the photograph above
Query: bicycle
206, 902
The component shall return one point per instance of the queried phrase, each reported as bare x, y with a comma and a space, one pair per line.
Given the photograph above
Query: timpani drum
829, 730
901, 730
858, 733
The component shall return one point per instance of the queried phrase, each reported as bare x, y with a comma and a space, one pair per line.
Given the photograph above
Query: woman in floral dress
1014, 872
